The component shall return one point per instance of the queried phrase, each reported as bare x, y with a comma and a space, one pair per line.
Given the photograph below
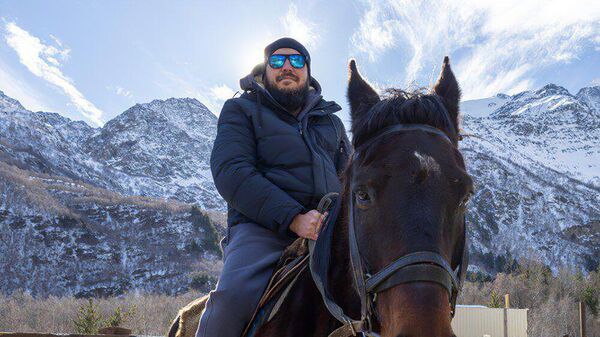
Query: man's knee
239, 301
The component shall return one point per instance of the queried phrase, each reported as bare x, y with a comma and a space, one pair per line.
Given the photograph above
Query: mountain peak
593, 89
171, 115
542, 110
590, 96
552, 89
167, 109
174, 102
9, 104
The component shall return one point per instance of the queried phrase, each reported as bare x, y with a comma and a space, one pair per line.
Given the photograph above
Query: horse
398, 248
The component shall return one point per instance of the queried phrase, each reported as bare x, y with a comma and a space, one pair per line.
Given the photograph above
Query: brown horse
401, 222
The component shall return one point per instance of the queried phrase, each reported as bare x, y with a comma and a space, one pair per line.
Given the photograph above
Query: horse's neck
341, 283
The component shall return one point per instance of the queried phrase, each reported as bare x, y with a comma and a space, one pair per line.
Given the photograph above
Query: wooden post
506, 306
582, 332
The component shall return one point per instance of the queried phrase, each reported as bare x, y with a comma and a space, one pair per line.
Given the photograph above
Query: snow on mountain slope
535, 160
44, 142
550, 126
72, 192
160, 149
591, 97
62, 237
524, 208
483, 107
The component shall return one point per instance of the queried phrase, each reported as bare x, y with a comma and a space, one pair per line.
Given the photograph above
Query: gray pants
251, 252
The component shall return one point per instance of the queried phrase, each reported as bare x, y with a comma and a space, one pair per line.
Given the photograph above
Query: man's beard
291, 100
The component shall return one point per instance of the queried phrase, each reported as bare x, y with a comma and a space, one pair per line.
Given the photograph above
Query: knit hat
287, 42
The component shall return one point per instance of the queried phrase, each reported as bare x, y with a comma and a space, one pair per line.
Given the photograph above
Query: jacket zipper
300, 127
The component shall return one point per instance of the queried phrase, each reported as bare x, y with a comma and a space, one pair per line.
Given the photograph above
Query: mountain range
131, 204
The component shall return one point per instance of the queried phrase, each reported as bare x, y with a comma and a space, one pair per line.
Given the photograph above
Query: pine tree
120, 316
88, 319
495, 301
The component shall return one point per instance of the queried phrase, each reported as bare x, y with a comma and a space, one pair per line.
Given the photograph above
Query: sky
92, 60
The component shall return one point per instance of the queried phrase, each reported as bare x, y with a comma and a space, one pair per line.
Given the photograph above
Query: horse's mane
403, 107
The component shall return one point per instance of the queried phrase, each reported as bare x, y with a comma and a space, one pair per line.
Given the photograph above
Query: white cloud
501, 43
123, 92
375, 33
44, 61
222, 92
56, 40
120, 91
13, 87
302, 30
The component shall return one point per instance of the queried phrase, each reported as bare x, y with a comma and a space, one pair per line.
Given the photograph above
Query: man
278, 150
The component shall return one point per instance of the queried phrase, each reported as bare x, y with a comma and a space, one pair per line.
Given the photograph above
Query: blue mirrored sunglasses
277, 60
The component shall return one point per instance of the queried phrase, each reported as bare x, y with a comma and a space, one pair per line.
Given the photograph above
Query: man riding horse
278, 151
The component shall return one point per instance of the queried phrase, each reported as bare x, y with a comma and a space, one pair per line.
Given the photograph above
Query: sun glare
252, 56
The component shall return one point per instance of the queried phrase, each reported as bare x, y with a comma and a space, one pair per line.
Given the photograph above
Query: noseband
420, 266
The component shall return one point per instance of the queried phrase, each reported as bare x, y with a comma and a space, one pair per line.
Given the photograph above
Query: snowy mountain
548, 125
535, 157
99, 211
60, 236
158, 149
105, 210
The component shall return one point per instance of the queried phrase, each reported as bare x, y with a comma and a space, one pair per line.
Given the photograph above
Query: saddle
293, 261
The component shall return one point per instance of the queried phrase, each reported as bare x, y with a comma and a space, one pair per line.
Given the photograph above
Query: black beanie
287, 42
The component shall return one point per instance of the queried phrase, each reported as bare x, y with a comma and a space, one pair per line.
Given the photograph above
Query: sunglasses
277, 61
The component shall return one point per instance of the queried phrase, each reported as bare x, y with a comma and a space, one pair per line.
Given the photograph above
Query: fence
479, 321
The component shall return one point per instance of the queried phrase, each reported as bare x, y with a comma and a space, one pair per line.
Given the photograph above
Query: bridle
420, 266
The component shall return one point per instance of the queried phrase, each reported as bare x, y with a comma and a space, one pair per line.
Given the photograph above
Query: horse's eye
466, 199
362, 196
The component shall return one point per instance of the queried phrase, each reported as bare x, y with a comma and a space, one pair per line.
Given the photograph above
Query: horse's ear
447, 88
361, 95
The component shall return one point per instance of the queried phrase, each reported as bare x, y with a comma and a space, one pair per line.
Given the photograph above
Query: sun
253, 55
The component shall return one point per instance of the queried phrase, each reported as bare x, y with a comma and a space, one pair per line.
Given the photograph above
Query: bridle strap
403, 127
350, 329
356, 264
417, 273
427, 260
319, 258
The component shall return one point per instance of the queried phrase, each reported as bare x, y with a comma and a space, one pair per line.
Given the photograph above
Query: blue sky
91, 60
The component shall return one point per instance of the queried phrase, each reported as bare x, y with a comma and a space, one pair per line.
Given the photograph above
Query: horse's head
409, 189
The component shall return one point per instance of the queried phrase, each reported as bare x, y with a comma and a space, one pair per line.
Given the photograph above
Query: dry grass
551, 300
153, 315
19, 184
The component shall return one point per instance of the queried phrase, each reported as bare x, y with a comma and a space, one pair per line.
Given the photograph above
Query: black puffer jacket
269, 165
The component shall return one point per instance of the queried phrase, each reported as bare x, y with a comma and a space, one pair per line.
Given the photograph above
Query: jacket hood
253, 82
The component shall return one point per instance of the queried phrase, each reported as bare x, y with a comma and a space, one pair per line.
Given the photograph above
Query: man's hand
307, 225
